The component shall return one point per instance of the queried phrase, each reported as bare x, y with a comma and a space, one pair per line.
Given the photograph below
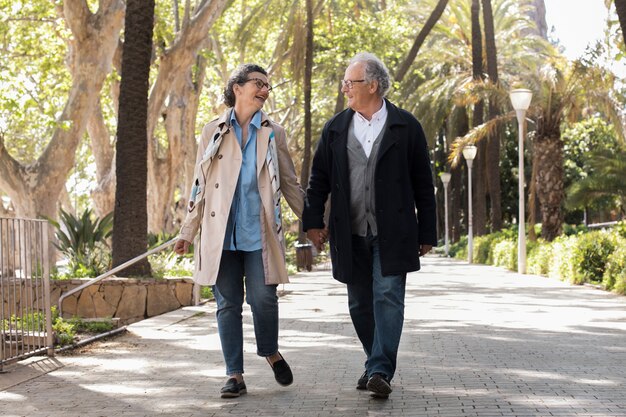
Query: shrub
591, 253
539, 256
615, 273
458, 250
482, 248
83, 241
505, 254
169, 264
561, 261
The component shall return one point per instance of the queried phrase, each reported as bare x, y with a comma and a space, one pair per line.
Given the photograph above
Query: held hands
181, 247
318, 237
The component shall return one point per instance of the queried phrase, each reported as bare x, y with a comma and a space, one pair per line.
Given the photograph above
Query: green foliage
615, 273
505, 254
83, 241
206, 293
458, 250
539, 258
591, 253
562, 263
92, 326
29, 322
168, 264
157, 239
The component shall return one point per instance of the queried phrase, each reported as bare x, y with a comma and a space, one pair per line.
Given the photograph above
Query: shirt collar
256, 119
380, 115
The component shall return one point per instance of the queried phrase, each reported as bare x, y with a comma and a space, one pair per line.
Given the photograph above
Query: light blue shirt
243, 230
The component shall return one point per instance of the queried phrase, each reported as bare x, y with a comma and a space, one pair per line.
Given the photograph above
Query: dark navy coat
403, 183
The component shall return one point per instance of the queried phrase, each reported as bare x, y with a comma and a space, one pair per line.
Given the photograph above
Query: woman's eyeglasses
260, 84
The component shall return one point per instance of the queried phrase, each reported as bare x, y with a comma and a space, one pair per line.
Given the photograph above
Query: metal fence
25, 316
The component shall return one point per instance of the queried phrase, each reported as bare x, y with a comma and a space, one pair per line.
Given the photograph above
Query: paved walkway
478, 341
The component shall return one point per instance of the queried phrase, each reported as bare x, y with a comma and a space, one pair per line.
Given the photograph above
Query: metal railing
117, 269
25, 316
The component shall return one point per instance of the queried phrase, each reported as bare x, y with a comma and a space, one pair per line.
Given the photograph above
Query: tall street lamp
469, 152
520, 99
445, 179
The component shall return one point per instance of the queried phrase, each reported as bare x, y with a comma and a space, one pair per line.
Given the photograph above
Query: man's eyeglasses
260, 84
350, 83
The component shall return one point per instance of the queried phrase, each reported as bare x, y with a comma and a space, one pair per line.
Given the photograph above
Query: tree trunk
35, 189
130, 221
537, 14
459, 127
548, 156
308, 76
479, 205
175, 62
492, 162
620, 7
419, 40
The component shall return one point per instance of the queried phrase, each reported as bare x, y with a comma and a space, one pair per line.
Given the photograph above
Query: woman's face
252, 94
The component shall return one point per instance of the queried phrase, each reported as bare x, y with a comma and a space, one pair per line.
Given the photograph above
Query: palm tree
492, 157
562, 92
620, 8
606, 180
130, 220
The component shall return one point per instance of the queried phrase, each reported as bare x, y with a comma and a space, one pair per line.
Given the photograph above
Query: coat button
212, 214
217, 185
219, 156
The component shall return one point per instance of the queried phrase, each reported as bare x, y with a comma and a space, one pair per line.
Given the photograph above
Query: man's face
362, 94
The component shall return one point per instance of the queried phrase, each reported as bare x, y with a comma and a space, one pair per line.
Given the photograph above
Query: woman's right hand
181, 246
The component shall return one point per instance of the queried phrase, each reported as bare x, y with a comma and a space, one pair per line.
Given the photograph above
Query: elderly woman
243, 168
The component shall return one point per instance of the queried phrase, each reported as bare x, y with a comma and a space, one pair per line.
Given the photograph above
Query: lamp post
520, 99
469, 152
445, 179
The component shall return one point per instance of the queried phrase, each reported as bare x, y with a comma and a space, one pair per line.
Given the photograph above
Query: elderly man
373, 160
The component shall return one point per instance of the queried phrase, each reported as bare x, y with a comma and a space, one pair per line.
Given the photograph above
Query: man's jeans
377, 311
229, 291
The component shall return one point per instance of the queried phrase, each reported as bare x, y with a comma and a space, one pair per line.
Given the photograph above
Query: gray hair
375, 70
239, 76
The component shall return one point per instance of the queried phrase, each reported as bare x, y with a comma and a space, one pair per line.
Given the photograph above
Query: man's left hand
424, 249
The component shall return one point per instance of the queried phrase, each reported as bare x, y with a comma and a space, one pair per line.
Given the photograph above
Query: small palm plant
83, 241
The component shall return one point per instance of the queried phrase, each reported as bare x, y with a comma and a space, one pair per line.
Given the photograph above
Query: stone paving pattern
477, 341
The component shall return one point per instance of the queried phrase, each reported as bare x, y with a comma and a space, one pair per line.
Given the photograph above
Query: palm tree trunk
620, 7
479, 195
130, 223
548, 157
492, 163
419, 40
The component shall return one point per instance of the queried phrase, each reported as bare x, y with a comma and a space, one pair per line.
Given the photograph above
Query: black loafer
233, 389
362, 382
282, 371
379, 386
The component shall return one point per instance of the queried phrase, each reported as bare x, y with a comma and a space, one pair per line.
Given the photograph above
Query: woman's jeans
377, 311
229, 291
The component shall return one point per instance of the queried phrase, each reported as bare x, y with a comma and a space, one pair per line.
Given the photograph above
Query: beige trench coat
217, 179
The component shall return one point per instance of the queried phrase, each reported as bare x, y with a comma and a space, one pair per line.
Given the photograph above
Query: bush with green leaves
83, 240
591, 253
539, 258
562, 260
458, 250
505, 254
615, 272
168, 264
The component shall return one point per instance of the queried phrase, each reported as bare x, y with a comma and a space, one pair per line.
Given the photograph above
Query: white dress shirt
366, 131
